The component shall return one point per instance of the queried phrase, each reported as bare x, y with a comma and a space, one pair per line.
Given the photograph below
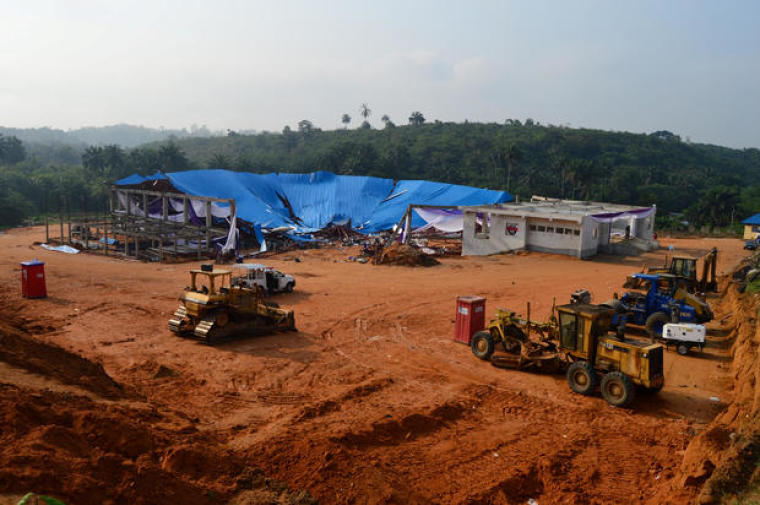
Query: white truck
684, 336
269, 279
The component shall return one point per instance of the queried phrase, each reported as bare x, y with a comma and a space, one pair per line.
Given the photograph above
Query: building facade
751, 227
581, 229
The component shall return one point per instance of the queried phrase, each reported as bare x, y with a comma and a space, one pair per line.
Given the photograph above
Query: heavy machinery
685, 269
213, 310
663, 301
512, 333
578, 339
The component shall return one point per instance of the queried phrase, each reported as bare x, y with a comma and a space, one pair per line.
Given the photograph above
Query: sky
691, 67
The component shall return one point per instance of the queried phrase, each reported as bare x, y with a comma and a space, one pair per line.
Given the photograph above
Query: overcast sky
692, 67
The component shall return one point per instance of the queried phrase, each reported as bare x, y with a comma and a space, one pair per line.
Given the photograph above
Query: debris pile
405, 255
344, 234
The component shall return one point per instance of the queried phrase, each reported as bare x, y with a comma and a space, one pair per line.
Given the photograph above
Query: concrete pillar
407, 225
209, 222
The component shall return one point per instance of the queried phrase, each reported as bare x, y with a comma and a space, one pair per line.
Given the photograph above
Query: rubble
404, 255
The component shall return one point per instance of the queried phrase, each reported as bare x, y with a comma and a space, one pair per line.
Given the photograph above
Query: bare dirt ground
371, 401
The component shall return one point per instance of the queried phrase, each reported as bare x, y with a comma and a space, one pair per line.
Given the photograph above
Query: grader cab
594, 353
213, 310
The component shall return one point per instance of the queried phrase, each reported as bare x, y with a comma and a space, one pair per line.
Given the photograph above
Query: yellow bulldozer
215, 307
579, 340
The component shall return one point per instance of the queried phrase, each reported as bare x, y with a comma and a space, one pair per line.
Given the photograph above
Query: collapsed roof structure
306, 203
203, 211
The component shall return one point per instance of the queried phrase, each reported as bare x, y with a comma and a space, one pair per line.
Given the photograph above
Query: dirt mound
90, 453
20, 349
152, 369
405, 255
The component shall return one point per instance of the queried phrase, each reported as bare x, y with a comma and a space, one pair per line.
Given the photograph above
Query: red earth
370, 402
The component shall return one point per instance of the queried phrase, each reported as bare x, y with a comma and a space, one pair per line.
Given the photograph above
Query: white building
575, 228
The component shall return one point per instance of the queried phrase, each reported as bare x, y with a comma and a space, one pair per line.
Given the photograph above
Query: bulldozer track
176, 321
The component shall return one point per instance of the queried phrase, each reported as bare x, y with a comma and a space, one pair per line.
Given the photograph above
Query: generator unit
684, 336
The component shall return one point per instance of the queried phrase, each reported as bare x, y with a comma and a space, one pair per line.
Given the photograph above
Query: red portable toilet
471, 317
33, 279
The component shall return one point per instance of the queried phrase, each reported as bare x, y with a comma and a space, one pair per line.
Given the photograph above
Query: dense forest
699, 183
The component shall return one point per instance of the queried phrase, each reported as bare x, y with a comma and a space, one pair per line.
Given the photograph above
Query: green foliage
39, 499
525, 159
716, 207
33, 188
416, 118
11, 150
710, 185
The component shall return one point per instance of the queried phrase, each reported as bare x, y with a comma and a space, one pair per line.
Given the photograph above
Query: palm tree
512, 154
416, 118
365, 111
305, 126
346, 119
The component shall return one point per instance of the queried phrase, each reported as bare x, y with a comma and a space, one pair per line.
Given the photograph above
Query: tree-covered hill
713, 185
525, 159
124, 135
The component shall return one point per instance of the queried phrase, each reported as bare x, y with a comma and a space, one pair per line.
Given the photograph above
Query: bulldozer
685, 270
213, 309
578, 340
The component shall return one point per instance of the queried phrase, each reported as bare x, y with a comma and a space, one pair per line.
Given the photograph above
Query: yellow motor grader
578, 340
213, 308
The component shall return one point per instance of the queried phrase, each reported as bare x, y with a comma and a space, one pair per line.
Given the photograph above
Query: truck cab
267, 278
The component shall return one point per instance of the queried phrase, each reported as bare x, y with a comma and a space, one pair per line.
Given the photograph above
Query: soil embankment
720, 464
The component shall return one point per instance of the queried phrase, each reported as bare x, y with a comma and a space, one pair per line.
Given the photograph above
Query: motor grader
577, 340
213, 310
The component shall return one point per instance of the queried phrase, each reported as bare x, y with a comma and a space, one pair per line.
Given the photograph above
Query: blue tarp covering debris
310, 202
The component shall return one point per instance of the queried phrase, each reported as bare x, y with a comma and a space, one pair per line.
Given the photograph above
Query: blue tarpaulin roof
321, 199
752, 219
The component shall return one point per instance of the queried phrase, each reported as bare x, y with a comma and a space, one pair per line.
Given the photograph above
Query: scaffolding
129, 229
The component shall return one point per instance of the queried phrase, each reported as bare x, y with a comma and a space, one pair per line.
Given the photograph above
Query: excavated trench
721, 465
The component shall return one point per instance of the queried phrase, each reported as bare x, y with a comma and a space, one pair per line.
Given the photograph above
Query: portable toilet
33, 279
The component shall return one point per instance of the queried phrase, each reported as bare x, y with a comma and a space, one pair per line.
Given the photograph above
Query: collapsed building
202, 212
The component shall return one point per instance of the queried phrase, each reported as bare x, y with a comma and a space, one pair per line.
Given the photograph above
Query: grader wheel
482, 345
581, 378
618, 389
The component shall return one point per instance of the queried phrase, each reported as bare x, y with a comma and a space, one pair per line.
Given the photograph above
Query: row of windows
554, 229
